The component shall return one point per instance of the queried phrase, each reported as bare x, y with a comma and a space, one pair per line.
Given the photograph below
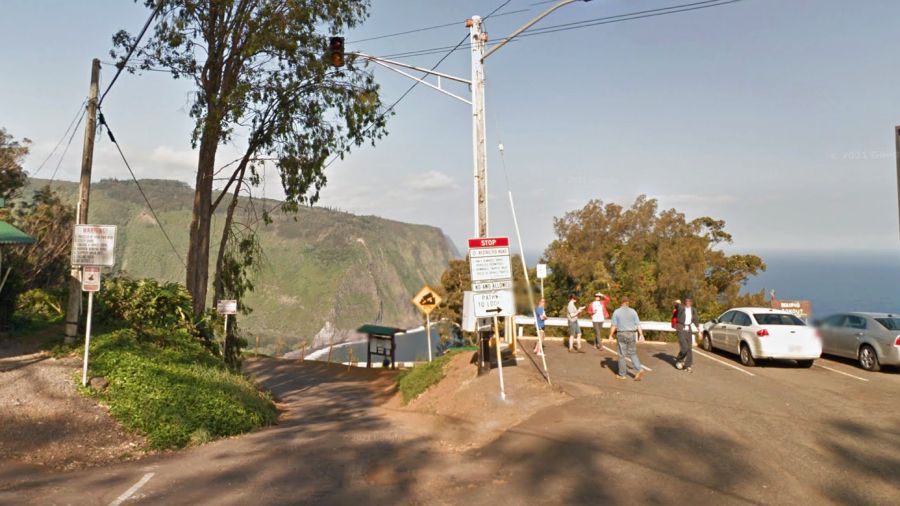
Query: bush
145, 306
38, 304
173, 391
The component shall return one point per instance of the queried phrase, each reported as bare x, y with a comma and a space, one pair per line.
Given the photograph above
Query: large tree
650, 255
262, 80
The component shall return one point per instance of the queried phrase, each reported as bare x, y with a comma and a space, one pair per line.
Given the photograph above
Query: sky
774, 115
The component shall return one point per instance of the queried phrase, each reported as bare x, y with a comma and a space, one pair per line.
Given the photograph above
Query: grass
175, 393
413, 382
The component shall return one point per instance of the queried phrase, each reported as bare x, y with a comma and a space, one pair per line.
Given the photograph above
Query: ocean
834, 282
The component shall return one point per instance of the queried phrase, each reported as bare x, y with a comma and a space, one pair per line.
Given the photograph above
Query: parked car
873, 339
758, 332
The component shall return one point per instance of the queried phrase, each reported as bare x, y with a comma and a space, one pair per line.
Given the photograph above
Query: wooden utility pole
84, 194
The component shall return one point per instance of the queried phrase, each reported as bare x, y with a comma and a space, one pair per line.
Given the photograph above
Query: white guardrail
585, 323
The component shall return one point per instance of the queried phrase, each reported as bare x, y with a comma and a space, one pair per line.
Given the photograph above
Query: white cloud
432, 181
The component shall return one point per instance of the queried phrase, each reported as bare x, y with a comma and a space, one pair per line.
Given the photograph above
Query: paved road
722, 435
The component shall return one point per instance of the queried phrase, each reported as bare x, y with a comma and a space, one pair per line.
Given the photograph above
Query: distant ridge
326, 272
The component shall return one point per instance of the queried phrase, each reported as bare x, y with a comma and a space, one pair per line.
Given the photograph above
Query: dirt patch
467, 409
45, 422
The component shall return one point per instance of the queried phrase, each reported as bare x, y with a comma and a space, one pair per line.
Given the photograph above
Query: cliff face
325, 272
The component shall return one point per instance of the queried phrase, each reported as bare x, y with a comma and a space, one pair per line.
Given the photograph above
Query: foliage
50, 221
12, 153
43, 305
652, 256
150, 308
413, 382
260, 75
177, 394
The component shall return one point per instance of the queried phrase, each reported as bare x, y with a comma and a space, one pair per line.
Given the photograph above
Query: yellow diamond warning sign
426, 300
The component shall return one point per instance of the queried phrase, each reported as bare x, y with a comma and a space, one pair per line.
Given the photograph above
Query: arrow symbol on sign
497, 310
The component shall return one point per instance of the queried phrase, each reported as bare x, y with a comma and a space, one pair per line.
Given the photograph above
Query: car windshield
889, 323
777, 319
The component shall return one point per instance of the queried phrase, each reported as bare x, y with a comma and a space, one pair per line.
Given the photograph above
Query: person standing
626, 328
599, 314
572, 312
540, 322
685, 322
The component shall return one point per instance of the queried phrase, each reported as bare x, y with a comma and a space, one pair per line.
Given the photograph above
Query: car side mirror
715, 321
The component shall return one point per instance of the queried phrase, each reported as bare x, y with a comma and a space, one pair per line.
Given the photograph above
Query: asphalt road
724, 434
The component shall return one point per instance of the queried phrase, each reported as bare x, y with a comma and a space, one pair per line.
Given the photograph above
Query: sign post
90, 283
426, 300
491, 274
225, 308
541, 274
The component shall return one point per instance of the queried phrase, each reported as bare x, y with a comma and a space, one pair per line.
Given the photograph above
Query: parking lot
772, 434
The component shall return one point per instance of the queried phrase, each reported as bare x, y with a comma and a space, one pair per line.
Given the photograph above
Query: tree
12, 154
652, 256
260, 74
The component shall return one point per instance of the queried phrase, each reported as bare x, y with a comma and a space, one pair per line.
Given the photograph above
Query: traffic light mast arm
528, 25
391, 65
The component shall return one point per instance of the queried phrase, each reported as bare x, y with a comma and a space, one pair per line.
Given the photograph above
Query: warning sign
426, 300
94, 245
226, 306
90, 278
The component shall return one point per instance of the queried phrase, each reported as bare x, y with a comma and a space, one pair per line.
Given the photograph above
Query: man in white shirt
572, 312
598, 313
687, 319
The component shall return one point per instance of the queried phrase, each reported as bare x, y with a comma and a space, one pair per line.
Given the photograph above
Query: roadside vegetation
413, 382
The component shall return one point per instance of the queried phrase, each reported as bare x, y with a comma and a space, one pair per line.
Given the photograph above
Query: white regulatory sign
490, 304
94, 245
486, 268
226, 307
541, 271
490, 286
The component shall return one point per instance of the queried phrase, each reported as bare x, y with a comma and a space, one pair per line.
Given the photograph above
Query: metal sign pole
225, 337
428, 333
87, 338
499, 357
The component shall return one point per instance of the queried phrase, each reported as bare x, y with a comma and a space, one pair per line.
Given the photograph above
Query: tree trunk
198, 251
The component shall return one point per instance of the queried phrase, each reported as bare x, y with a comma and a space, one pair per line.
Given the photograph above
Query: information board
94, 245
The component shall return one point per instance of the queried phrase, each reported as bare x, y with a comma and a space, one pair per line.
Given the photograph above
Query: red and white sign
90, 278
488, 242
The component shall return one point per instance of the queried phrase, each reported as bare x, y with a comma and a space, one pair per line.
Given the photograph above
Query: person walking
685, 322
572, 312
540, 322
599, 314
626, 328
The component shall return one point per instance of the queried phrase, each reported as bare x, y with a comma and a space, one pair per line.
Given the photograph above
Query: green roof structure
12, 235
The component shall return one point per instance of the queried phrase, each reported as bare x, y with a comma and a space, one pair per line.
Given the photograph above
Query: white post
499, 357
479, 132
225, 337
87, 338
428, 334
542, 288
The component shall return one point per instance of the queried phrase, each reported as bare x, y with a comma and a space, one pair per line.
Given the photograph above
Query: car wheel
747, 356
868, 359
806, 364
706, 344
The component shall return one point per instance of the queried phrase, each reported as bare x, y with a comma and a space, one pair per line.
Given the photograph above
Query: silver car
873, 339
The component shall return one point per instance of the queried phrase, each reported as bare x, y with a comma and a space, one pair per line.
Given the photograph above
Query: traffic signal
336, 47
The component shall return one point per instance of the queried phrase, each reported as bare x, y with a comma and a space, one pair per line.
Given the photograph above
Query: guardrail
586, 323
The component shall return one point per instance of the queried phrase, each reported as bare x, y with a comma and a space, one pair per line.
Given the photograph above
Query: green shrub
412, 382
173, 391
144, 305
39, 304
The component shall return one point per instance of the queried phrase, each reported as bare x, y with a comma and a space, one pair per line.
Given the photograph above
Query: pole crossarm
528, 25
391, 65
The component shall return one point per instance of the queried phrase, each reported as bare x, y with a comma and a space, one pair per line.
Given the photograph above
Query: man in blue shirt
626, 328
540, 322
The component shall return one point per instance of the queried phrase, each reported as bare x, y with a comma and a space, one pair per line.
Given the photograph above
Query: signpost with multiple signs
491, 274
427, 300
93, 247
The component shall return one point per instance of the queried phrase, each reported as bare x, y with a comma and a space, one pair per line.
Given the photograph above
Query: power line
78, 111
121, 65
66, 150
673, 9
428, 28
140, 189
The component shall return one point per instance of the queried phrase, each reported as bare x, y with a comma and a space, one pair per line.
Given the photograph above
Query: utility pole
84, 193
479, 129
897, 144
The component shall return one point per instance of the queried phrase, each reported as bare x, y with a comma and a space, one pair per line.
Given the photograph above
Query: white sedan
755, 332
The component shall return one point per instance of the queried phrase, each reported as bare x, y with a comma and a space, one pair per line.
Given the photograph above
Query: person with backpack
599, 314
